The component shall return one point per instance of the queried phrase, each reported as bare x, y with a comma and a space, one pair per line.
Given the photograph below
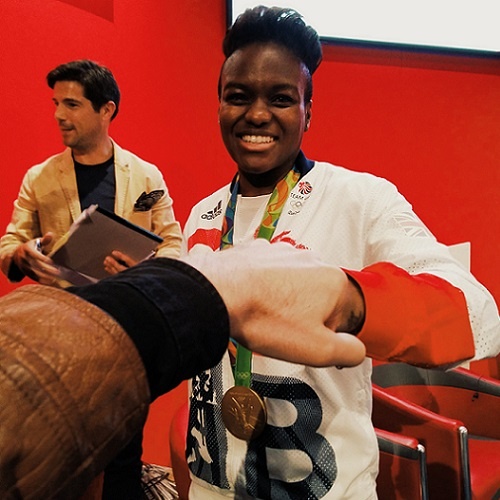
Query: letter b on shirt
290, 459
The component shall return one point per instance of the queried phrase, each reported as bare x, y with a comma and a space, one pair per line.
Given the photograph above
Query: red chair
177, 440
402, 471
402, 467
454, 414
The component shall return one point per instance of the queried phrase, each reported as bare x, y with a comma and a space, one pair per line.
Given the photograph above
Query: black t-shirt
96, 184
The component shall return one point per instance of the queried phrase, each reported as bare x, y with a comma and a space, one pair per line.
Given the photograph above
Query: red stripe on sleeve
209, 237
418, 319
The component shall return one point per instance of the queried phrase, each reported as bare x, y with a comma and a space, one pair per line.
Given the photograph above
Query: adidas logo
212, 214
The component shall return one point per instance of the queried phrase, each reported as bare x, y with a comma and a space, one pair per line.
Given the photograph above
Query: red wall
431, 124
428, 122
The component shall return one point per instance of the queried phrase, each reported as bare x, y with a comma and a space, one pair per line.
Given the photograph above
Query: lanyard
243, 366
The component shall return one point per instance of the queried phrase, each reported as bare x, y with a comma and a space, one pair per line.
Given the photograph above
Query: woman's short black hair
282, 26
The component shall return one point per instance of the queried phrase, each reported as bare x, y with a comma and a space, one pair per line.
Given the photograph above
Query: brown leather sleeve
73, 391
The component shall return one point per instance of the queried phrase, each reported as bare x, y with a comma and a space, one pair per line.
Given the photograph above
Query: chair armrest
395, 415
398, 444
457, 394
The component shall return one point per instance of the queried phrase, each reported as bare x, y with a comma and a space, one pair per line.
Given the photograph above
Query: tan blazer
48, 201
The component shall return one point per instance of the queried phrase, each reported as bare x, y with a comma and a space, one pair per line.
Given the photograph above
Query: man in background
92, 170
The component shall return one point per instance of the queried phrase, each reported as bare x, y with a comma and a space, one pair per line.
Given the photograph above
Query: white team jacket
319, 442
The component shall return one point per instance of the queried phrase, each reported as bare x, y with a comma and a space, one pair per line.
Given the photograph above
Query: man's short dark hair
282, 26
99, 84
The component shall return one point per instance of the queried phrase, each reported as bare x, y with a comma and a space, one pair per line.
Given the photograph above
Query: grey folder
93, 236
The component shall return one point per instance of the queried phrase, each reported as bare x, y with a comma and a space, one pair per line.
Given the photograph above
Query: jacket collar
67, 179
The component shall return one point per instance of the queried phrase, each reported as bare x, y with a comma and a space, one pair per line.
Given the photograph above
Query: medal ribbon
243, 366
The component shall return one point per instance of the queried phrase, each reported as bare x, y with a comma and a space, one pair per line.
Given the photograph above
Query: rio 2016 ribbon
243, 410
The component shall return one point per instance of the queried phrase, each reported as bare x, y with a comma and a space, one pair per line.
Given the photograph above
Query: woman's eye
236, 98
283, 100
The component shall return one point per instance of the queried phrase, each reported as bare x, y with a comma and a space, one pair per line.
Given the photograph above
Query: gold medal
243, 412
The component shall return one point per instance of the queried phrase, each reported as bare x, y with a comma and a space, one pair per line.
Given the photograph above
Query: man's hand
117, 262
286, 303
29, 257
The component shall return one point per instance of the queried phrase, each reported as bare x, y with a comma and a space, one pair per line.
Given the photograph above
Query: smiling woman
327, 448
263, 113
